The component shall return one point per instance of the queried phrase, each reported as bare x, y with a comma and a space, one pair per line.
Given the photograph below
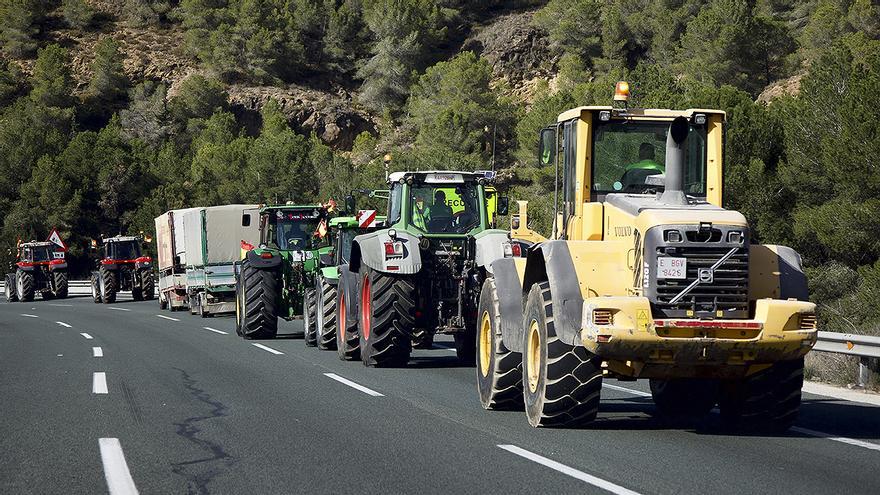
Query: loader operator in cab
635, 173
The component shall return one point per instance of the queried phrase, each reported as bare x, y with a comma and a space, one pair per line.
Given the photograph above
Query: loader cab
598, 151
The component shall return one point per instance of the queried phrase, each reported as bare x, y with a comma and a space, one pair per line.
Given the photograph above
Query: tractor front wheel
61, 285
259, 302
9, 289
148, 285
24, 285
107, 281
326, 312
310, 310
96, 288
561, 382
387, 314
347, 341
499, 371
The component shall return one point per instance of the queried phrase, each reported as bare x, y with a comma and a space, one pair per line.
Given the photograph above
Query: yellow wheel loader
646, 275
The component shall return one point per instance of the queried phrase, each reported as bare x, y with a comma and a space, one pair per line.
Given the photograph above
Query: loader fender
551, 261
510, 302
776, 272
348, 284
257, 261
369, 250
490, 247
792, 281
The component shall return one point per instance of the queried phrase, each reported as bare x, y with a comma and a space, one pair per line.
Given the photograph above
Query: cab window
446, 209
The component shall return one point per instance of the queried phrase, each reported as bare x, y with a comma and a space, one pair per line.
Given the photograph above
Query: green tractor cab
276, 279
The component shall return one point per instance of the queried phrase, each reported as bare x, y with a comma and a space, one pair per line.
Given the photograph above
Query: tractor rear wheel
259, 311
96, 288
387, 307
24, 285
767, 401
684, 397
310, 310
108, 286
9, 289
499, 371
347, 342
61, 285
326, 312
148, 285
561, 383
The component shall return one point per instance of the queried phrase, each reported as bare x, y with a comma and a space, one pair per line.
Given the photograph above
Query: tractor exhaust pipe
673, 191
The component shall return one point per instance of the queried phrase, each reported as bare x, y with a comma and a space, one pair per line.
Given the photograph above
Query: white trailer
171, 259
213, 237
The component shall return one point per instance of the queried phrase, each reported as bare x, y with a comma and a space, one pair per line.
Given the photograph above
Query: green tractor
423, 273
277, 278
330, 305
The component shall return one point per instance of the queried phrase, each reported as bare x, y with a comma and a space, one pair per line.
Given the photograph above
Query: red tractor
122, 267
41, 268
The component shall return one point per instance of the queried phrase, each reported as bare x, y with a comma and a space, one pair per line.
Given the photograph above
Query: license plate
675, 268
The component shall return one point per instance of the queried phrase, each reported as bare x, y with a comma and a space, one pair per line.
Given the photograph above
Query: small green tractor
277, 278
40, 269
423, 273
121, 266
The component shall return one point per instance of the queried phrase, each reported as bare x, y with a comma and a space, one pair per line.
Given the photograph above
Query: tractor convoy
644, 276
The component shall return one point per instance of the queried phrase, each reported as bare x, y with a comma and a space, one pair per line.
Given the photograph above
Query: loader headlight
672, 235
735, 237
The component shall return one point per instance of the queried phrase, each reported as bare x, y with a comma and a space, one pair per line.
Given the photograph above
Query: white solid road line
850, 441
574, 473
87, 336
114, 308
29, 316
97, 352
65, 325
356, 386
267, 348
215, 330
99, 382
627, 390
116, 472
167, 318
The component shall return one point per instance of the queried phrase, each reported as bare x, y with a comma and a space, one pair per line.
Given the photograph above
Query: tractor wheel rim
485, 343
19, 286
340, 325
533, 351
366, 307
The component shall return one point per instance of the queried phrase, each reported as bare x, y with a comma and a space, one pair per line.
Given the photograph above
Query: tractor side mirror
327, 259
503, 205
547, 146
350, 204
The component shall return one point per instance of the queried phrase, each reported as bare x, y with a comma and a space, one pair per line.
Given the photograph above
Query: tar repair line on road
99, 382
215, 330
346, 381
119, 481
167, 318
267, 348
65, 325
97, 352
570, 471
804, 431
87, 336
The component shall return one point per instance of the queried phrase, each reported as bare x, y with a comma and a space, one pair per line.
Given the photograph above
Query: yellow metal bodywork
602, 240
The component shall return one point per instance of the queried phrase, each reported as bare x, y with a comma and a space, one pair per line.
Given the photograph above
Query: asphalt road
193, 410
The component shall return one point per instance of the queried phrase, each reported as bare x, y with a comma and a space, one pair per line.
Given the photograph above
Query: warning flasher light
621, 91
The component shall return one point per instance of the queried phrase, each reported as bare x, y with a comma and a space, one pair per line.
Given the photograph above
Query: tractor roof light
621, 91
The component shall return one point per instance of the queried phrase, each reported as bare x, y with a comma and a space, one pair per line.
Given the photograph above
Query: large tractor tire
310, 312
61, 284
148, 285
684, 397
347, 342
96, 288
326, 315
9, 289
387, 314
561, 383
259, 302
499, 371
767, 401
107, 283
24, 285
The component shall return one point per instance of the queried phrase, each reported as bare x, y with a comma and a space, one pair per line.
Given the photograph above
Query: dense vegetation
109, 155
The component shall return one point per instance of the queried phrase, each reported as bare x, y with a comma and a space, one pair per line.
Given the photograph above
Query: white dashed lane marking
119, 481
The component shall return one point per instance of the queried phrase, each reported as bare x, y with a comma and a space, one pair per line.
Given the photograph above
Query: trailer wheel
24, 285
107, 282
310, 310
148, 285
96, 288
326, 315
387, 307
9, 289
561, 383
259, 301
684, 397
767, 401
499, 371
61, 284
347, 342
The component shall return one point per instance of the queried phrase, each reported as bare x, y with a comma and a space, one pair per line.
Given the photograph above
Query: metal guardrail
867, 346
